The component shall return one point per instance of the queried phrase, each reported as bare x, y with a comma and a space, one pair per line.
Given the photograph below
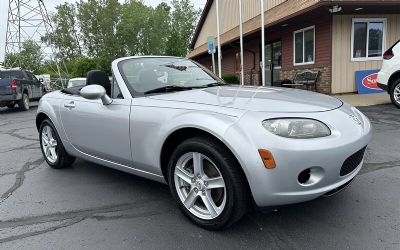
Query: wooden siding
343, 69
229, 11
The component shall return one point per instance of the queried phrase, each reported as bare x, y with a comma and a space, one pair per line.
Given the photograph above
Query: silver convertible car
220, 148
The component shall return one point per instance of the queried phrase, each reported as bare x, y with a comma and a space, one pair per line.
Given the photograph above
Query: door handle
69, 105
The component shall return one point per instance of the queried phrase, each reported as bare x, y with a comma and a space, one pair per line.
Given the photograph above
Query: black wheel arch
40, 117
25, 91
395, 76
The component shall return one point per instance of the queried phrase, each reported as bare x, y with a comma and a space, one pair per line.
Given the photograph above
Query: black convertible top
72, 91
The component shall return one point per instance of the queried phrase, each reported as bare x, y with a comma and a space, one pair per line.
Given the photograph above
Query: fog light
311, 176
267, 158
304, 176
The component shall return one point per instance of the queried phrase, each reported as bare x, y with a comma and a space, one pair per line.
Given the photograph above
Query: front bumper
280, 186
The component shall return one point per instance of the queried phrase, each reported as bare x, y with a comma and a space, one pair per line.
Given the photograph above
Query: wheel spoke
210, 205
198, 164
181, 173
53, 152
47, 151
45, 140
50, 133
190, 199
217, 182
396, 93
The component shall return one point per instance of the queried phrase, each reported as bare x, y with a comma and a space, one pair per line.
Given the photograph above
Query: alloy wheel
200, 185
49, 144
396, 93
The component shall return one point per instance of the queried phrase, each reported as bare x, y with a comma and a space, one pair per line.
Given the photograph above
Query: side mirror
94, 92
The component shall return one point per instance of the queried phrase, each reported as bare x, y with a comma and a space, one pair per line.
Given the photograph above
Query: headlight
297, 128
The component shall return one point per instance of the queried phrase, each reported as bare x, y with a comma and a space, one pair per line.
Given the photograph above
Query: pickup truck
19, 87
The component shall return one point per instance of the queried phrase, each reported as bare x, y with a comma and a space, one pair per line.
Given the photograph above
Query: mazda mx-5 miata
219, 147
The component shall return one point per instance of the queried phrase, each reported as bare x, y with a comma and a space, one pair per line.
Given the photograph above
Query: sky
50, 5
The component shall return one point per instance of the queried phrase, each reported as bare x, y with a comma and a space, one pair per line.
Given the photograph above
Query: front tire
24, 102
52, 148
207, 183
395, 93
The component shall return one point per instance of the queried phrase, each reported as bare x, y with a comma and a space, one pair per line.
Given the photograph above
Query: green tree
90, 34
81, 66
65, 36
156, 31
183, 23
131, 28
30, 57
98, 21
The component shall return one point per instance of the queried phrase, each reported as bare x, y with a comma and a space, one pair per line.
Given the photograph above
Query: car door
26, 83
98, 130
34, 85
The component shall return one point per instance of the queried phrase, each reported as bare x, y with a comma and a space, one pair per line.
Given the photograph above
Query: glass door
273, 55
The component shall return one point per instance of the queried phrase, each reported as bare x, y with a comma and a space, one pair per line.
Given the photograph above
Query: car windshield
147, 74
76, 82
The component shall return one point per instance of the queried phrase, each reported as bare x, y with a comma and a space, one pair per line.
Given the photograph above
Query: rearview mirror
94, 92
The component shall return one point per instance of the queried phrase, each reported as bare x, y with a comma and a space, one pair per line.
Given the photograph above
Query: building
336, 38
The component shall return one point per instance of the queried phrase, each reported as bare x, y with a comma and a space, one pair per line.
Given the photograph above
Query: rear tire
209, 204
24, 102
52, 148
395, 93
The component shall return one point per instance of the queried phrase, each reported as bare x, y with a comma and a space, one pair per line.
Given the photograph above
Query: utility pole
218, 40
262, 44
241, 43
28, 20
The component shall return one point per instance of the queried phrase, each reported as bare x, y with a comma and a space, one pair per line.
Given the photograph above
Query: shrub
230, 78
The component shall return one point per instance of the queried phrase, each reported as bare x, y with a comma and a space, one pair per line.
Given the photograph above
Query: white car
389, 76
76, 82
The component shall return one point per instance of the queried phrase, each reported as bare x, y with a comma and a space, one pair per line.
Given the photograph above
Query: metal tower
28, 20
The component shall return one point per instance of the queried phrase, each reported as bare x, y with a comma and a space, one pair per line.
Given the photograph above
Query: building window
304, 46
368, 39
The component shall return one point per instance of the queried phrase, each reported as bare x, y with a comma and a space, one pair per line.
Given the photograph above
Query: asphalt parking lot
93, 207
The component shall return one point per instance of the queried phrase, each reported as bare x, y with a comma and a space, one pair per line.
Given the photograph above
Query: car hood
258, 99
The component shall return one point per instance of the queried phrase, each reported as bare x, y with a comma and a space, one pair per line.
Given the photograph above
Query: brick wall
323, 81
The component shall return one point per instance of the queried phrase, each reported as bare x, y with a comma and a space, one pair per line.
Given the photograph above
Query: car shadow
5, 110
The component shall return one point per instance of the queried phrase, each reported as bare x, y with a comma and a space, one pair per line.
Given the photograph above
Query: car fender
216, 124
51, 110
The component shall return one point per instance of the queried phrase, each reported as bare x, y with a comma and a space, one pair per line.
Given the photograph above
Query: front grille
352, 162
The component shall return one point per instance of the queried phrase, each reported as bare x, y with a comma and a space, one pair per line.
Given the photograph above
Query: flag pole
218, 40
241, 43
262, 44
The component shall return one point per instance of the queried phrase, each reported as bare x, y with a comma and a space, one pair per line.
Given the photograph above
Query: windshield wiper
168, 88
213, 84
